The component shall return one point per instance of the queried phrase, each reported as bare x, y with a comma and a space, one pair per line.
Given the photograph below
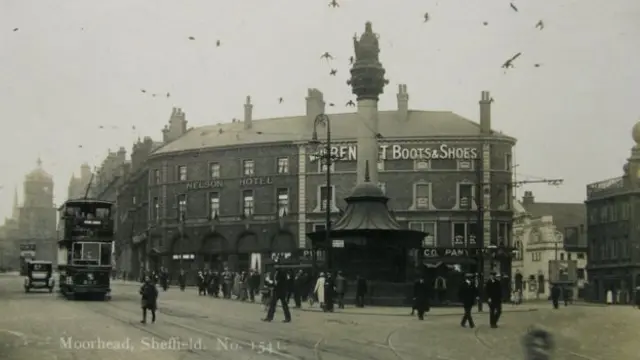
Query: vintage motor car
39, 276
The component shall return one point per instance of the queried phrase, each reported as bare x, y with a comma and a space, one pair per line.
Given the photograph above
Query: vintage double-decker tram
86, 231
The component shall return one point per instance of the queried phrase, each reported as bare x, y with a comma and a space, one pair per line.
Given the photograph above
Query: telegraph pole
480, 193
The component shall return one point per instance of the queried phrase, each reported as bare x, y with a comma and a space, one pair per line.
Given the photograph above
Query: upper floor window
561, 256
214, 170
580, 256
214, 205
465, 164
182, 207
282, 195
248, 203
536, 256
504, 233
427, 227
421, 164
248, 168
322, 166
325, 195
156, 176
134, 200
422, 196
155, 209
182, 173
283, 165
508, 162
466, 196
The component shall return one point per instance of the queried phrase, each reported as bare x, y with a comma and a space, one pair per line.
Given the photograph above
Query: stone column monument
367, 83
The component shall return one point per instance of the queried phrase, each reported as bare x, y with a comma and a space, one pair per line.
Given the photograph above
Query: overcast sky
75, 65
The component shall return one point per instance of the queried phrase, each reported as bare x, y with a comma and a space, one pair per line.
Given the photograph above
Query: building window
248, 168
580, 256
383, 187
214, 170
472, 233
624, 211
536, 256
459, 233
155, 209
380, 165
247, 203
422, 196
603, 215
427, 227
569, 256
466, 196
156, 176
133, 200
327, 194
580, 274
214, 205
562, 256
465, 164
182, 207
282, 195
283, 165
508, 162
319, 227
421, 165
322, 166
504, 233
182, 173
506, 194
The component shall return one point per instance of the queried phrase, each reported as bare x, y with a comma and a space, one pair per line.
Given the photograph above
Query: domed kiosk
368, 241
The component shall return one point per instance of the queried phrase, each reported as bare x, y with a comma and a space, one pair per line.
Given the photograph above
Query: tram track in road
568, 355
345, 348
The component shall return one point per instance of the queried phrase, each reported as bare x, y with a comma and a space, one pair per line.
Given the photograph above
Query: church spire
15, 211
39, 162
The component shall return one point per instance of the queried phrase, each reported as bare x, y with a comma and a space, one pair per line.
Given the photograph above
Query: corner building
613, 205
239, 193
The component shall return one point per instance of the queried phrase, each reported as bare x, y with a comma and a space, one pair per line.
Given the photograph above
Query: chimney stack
315, 103
248, 113
403, 102
485, 113
528, 198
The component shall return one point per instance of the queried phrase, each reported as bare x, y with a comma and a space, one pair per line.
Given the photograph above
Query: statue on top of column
367, 49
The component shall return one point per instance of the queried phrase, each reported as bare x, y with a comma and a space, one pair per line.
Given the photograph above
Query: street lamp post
326, 157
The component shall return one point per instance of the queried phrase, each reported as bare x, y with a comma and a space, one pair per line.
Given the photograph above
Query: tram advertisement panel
27, 250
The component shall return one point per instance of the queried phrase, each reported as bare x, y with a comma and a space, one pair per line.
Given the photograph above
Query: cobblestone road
44, 326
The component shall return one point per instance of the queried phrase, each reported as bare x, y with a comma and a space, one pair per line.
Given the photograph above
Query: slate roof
564, 215
420, 124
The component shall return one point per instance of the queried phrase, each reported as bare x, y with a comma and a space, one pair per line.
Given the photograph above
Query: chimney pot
528, 198
485, 113
403, 102
248, 113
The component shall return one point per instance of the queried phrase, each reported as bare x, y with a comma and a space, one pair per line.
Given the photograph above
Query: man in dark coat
493, 291
254, 284
468, 294
280, 290
329, 292
227, 283
361, 290
555, 295
149, 299
341, 289
202, 283
298, 288
182, 279
420, 297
